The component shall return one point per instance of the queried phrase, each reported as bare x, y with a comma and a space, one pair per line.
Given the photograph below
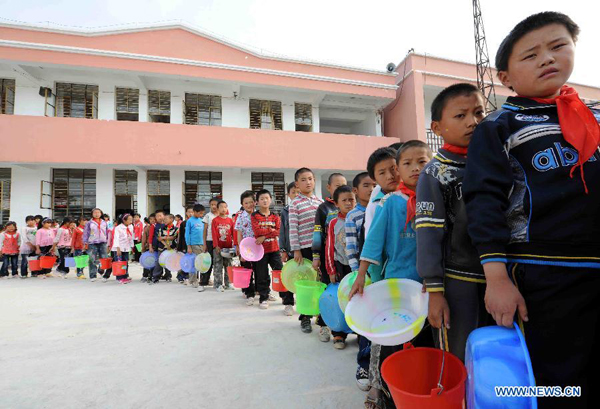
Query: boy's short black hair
220, 202
290, 186
333, 175
340, 190
396, 146
159, 211
358, 178
146, 220
263, 192
29, 218
301, 171
415, 143
178, 215
462, 89
528, 25
246, 194
379, 155
152, 215
214, 199
199, 208
189, 207
38, 216
170, 215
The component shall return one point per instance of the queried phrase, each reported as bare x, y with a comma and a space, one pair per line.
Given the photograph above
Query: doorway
156, 202
124, 204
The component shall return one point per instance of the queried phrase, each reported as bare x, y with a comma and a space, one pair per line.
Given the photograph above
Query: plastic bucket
34, 264
119, 268
241, 277
187, 263
291, 273
173, 262
162, 259
203, 262
277, 284
82, 261
70, 262
331, 311
230, 274
307, 296
148, 260
389, 312
105, 263
250, 251
412, 377
498, 356
345, 287
47, 261
138, 247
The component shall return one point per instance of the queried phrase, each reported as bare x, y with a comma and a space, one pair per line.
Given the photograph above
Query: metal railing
435, 142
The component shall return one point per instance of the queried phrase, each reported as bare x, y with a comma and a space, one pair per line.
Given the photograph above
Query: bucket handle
443, 339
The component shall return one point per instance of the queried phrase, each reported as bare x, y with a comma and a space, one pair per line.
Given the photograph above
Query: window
7, 96
435, 142
126, 190
159, 183
202, 109
128, 104
303, 115
74, 192
265, 114
274, 183
76, 101
159, 106
200, 187
5, 176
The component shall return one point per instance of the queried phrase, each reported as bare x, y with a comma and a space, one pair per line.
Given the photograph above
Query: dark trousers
563, 331
157, 272
342, 271
13, 261
467, 313
45, 251
261, 272
204, 277
136, 253
24, 264
307, 254
250, 291
63, 252
124, 257
364, 352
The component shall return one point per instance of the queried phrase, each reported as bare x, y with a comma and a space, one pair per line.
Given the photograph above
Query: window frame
86, 179
90, 100
279, 194
267, 107
6, 85
188, 105
192, 188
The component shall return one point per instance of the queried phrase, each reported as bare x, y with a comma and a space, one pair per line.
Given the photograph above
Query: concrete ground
77, 344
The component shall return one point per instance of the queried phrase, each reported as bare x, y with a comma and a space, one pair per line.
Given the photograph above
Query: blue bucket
70, 262
331, 311
497, 356
187, 263
148, 260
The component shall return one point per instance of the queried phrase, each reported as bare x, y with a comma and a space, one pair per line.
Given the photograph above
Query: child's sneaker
288, 310
23, 277
272, 297
324, 334
104, 280
81, 277
93, 279
305, 325
152, 282
339, 343
250, 301
230, 287
168, 280
186, 282
362, 379
144, 280
220, 289
64, 275
264, 305
201, 289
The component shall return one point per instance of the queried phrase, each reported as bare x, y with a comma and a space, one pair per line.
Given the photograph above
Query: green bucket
139, 247
82, 261
307, 296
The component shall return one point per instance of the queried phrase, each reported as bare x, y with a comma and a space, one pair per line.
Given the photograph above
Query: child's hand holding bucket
438, 311
358, 286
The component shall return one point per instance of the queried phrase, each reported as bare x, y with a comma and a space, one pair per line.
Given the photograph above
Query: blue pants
13, 260
96, 252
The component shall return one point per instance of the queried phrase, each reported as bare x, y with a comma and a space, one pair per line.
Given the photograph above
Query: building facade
162, 116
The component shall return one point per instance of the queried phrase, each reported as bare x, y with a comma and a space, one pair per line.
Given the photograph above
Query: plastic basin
203, 262
345, 287
162, 259
251, 251
187, 263
173, 262
291, 273
389, 312
148, 260
331, 311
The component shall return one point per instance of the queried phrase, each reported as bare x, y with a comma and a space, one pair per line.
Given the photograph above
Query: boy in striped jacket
302, 223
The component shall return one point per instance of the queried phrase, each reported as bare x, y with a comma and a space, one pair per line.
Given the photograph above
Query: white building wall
176, 189
235, 181
25, 192
105, 196
106, 101
176, 108
235, 112
27, 98
316, 119
142, 192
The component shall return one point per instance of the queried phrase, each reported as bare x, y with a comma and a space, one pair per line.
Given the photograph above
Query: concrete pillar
406, 120
315, 118
143, 109
288, 116
25, 191
176, 109
235, 181
142, 192
27, 98
236, 113
176, 191
106, 103
105, 196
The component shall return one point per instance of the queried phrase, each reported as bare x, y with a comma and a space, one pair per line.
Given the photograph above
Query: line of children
165, 237
284, 246
122, 246
222, 234
95, 238
182, 276
62, 242
44, 240
208, 239
10, 243
243, 229
77, 243
194, 237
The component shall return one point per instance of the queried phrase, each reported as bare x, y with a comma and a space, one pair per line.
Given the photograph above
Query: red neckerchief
98, 222
411, 206
330, 200
169, 227
459, 150
578, 125
127, 230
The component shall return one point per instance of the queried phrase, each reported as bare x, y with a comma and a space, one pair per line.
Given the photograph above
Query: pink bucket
241, 277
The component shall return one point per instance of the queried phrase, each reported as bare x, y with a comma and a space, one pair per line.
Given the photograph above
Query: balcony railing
435, 142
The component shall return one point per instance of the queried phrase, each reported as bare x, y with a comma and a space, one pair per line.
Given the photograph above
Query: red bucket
105, 263
230, 274
47, 262
277, 283
412, 376
119, 268
34, 265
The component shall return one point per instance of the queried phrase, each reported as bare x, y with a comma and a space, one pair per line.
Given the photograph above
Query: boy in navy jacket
532, 189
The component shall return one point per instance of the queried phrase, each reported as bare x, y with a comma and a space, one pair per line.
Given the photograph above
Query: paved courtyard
77, 344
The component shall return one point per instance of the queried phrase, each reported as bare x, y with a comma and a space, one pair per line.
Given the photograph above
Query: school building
161, 116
